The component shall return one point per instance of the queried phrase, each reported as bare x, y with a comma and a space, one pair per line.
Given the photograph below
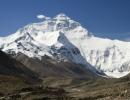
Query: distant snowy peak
60, 22
64, 39
62, 16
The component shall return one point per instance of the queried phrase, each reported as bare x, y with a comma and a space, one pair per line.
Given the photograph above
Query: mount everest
64, 39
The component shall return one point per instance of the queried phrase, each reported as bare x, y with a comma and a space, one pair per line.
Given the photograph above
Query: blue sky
105, 18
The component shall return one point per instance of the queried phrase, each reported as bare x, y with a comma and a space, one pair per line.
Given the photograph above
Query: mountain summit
64, 39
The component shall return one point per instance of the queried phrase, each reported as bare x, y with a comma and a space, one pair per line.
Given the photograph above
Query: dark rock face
10, 66
48, 67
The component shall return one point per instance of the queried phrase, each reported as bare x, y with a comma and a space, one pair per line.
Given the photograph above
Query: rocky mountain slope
48, 67
11, 67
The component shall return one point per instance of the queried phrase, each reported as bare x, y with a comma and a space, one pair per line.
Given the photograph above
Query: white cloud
42, 17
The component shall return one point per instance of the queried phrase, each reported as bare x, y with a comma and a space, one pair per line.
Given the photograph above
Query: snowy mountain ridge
65, 39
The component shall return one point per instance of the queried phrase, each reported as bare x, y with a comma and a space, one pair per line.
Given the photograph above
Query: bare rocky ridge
48, 67
10, 66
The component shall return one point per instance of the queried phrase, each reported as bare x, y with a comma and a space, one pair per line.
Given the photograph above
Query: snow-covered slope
65, 39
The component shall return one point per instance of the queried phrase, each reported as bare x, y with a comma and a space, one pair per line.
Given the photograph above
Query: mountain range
64, 39
60, 52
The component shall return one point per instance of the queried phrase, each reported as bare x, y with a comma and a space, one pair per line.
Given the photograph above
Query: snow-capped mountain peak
62, 16
64, 39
